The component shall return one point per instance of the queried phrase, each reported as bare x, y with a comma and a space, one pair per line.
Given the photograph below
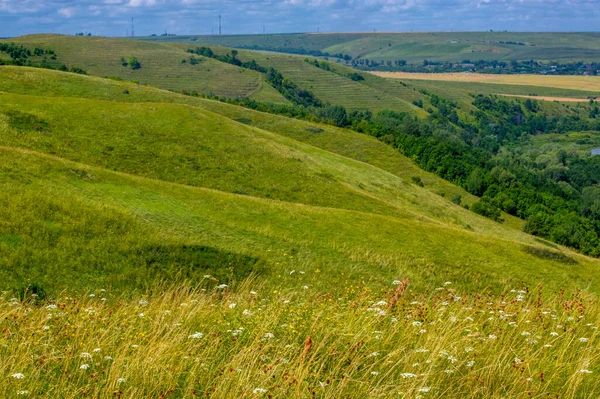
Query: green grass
342, 142
109, 220
256, 195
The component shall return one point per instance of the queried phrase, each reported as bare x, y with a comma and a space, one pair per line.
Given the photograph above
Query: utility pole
219, 25
132, 31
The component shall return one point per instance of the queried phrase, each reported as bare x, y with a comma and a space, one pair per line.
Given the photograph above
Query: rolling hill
119, 181
419, 46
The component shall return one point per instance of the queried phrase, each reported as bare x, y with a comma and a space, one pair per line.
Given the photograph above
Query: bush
32, 291
417, 180
485, 207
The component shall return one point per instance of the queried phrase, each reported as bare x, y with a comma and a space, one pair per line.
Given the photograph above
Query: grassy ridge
416, 47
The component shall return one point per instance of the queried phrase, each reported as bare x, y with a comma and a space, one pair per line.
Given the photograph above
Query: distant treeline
494, 66
300, 51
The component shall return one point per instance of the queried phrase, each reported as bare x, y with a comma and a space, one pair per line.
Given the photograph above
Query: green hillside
140, 188
418, 46
161, 66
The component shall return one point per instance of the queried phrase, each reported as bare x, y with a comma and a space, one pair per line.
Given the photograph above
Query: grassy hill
161, 66
416, 47
190, 184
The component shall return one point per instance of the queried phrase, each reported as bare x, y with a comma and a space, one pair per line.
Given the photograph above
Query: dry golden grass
251, 342
586, 83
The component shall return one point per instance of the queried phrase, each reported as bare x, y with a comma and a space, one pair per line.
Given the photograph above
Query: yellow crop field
586, 83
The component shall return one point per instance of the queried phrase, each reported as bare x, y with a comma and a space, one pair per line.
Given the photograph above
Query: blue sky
112, 17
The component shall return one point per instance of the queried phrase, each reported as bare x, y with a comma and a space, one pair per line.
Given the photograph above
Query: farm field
583, 83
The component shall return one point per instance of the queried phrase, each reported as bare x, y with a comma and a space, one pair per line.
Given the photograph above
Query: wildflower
448, 371
246, 312
448, 283
46, 327
207, 276
554, 334
584, 339
470, 363
134, 346
408, 375
422, 331
232, 305
85, 355
141, 315
381, 303
18, 376
396, 282
374, 372
374, 354
269, 335
422, 350
196, 335
259, 390
22, 392
305, 287
107, 357
424, 389
84, 366
585, 371
121, 380
221, 286
416, 323
97, 350
469, 349
452, 359
517, 360
525, 333
92, 295
143, 302
51, 307
253, 293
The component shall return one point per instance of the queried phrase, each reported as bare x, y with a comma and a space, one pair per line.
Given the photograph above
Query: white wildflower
196, 335
18, 376
259, 390
84, 366
408, 375
232, 305
269, 335
221, 286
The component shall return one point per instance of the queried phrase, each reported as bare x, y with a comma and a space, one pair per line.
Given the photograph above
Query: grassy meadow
160, 245
248, 341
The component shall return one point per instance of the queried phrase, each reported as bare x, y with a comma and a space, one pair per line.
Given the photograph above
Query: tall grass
235, 342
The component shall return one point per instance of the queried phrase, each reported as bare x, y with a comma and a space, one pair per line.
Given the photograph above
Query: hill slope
149, 189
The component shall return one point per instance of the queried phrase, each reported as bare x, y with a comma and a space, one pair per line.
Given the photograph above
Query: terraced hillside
144, 189
372, 93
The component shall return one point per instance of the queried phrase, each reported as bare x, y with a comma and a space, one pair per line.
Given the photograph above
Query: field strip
547, 98
585, 83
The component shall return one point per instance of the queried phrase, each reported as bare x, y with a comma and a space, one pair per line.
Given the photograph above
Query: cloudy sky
113, 17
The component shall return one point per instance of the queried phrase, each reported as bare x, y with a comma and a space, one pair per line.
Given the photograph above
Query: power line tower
219, 25
132, 31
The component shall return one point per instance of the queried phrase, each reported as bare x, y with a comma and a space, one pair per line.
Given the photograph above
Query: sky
113, 17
